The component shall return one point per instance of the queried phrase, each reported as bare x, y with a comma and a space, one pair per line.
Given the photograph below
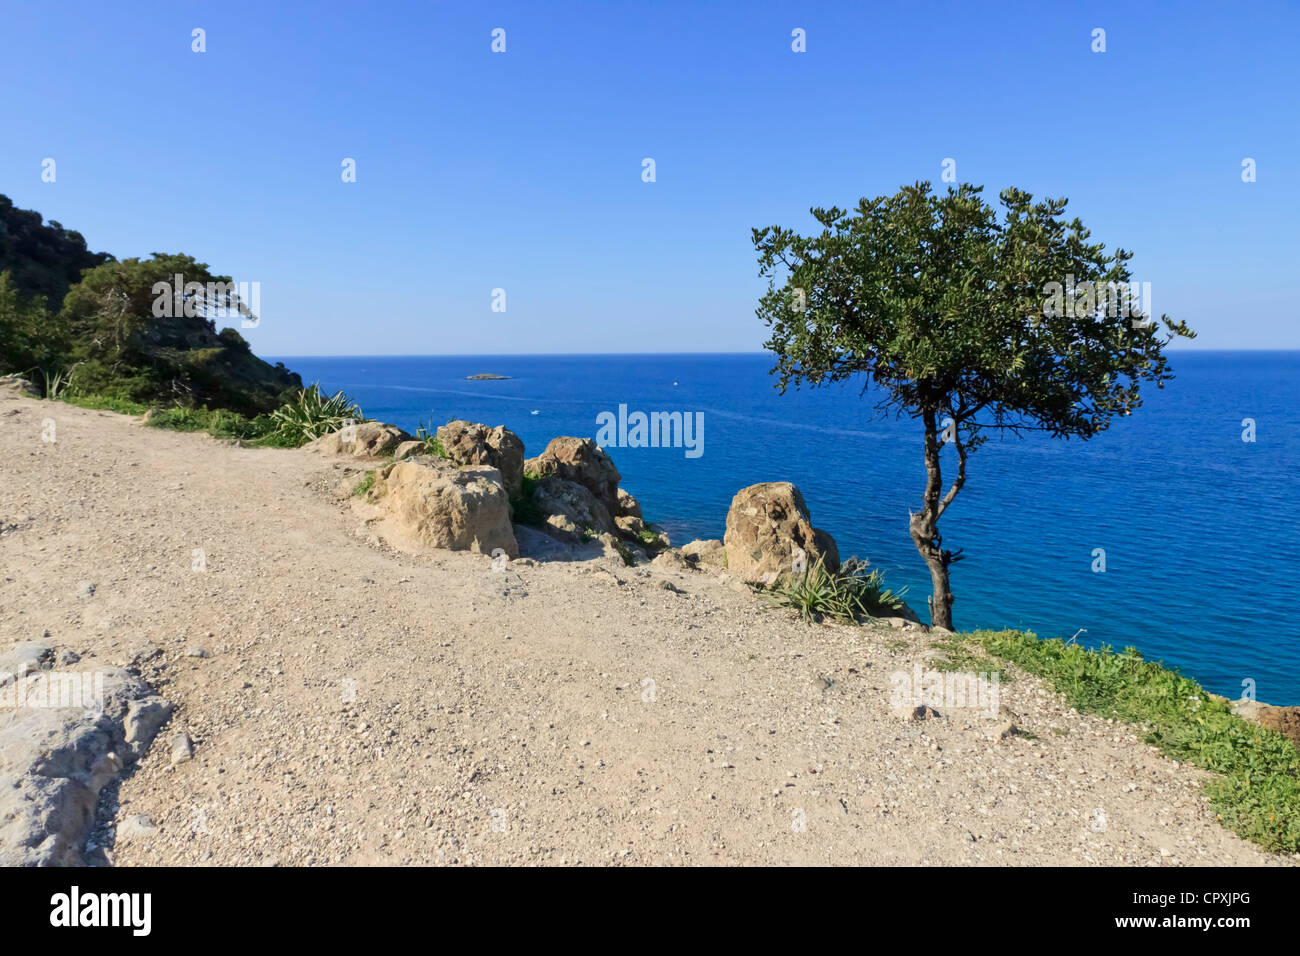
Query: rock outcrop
362, 440
582, 461
765, 524
705, 554
54, 760
468, 443
571, 511
18, 385
625, 506
430, 503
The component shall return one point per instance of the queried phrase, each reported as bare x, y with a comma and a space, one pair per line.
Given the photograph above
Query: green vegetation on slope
44, 259
1258, 794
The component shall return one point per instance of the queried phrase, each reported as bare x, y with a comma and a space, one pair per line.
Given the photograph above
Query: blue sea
1200, 529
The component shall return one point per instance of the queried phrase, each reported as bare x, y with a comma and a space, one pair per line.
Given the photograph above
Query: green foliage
625, 552
135, 341
43, 259
30, 339
220, 422
1258, 795
102, 403
364, 485
939, 302
849, 595
311, 414
524, 508
428, 435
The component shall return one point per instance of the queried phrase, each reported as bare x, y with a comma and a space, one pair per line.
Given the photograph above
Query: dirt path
521, 729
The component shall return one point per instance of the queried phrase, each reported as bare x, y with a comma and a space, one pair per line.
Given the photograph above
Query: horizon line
622, 354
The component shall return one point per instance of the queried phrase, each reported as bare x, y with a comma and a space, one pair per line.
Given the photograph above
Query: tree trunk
924, 526
941, 600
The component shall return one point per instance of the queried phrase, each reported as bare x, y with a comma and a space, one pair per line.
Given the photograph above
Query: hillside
105, 325
44, 259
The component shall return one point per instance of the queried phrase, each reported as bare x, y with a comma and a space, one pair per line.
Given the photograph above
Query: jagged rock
429, 503
627, 506
629, 526
408, 448
572, 512
363, 440
143, 718
580, 460
23, 659
669, 560
765, 524
540, 546
467, 443
17, 385
55, 760
709, 553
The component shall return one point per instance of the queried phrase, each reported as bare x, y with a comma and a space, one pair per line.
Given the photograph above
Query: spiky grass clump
849, 595
56, 383
313, 414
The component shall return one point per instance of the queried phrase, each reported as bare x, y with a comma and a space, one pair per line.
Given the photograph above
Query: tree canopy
968, 318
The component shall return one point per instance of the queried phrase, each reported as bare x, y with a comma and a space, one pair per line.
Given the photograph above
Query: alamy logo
134, 910
655, 430
939, 689
208, 300
1088, 300
53, 689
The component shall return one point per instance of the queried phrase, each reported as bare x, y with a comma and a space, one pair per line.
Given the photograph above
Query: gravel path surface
347, 704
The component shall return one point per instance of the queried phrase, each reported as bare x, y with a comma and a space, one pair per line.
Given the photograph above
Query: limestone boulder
18, 386
766, 524
429, 503
363, 440
705, 554
627, 506
582, 461
64, 736
468, 443
408, 449
570, 510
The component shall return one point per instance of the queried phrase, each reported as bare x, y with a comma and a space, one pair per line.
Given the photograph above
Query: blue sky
522, 170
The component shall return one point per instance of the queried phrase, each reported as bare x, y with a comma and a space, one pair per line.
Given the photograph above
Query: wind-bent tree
969, 320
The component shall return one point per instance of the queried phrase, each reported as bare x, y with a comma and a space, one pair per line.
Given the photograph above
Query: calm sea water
1201, 530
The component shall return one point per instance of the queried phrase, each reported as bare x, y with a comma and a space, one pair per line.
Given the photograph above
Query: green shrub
524, 508
55, 383
218, 422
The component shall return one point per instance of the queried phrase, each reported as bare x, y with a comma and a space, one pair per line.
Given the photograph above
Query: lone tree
969, 320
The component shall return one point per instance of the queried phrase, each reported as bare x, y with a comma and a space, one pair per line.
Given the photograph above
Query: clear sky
522, 170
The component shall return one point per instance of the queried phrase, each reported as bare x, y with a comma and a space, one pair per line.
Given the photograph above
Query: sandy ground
599, 718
